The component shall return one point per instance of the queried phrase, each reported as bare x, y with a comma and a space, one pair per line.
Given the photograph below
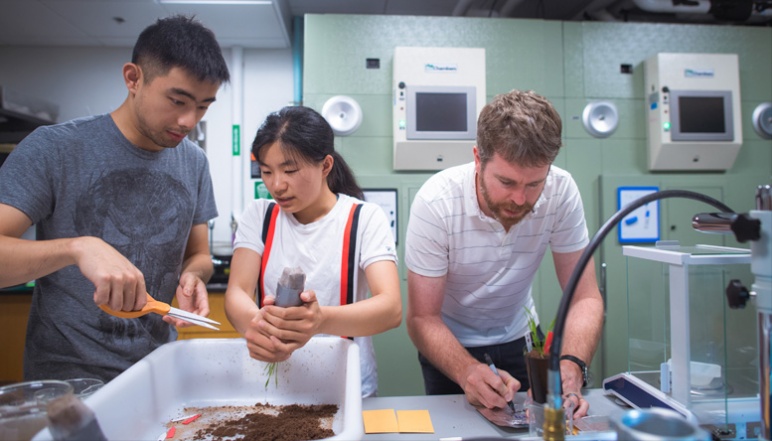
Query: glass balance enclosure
684, 340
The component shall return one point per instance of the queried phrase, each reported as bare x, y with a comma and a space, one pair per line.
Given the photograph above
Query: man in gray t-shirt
120, 203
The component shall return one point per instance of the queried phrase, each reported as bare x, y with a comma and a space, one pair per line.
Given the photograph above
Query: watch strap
582, 366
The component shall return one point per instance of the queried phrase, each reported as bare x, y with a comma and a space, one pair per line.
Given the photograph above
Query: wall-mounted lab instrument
693, 111
438, 94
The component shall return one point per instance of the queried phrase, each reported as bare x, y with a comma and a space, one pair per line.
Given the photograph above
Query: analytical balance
688, 350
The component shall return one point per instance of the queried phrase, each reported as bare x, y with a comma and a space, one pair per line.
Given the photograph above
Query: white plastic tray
138, 403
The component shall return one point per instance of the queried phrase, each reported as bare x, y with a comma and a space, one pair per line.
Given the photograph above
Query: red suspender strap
269, 225
348, 261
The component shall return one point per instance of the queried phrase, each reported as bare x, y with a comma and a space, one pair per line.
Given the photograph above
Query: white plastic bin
137, 404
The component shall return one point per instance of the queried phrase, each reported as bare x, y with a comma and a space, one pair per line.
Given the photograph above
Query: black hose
568, 292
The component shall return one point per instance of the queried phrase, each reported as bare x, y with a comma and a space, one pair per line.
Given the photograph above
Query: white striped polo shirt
489, 271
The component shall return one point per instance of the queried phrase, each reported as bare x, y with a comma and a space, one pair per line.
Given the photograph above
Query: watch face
587, 377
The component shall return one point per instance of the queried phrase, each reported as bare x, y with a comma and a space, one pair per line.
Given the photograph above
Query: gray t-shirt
84, 178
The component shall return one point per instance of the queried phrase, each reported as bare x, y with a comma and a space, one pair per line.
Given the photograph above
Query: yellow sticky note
380, 421
414, 421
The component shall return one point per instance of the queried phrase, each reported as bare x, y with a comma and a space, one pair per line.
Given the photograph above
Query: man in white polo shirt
476, 236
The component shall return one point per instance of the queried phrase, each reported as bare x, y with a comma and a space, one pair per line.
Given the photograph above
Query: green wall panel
631, 112
376, 111
571, 63
607, 45
335, 53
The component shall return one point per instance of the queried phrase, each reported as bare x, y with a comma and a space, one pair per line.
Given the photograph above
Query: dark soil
272, 423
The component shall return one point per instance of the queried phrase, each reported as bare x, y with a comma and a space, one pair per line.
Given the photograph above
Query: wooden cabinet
14, 312
217, 312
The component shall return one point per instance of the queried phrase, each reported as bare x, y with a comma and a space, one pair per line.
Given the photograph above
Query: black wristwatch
582, 366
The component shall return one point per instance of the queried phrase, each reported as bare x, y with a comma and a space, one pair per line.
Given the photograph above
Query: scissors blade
193, 318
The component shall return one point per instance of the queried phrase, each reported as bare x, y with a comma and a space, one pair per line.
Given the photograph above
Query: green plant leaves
538, 342
270, 370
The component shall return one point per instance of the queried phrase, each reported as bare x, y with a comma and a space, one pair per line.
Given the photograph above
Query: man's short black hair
180, 41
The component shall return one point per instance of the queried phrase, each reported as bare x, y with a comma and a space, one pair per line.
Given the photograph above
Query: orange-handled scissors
162, 308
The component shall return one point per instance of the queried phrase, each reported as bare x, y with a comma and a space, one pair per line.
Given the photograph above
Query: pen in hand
496, 371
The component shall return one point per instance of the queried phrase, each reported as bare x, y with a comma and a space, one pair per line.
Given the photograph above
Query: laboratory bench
453, 418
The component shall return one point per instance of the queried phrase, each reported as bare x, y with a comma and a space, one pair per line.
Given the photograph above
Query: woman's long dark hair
305, 134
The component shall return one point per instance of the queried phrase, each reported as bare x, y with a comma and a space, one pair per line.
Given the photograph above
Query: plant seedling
541, 346
270, 370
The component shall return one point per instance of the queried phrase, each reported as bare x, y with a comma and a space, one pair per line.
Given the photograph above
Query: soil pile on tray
266, 422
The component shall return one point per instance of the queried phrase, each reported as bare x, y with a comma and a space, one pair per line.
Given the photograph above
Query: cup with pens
537, 357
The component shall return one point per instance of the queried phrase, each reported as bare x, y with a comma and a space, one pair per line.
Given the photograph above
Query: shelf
14, 126
697, 255
20, 114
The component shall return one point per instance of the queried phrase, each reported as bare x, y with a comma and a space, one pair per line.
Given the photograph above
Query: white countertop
453, 417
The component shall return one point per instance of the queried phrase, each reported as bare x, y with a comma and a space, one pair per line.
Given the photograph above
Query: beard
507, 213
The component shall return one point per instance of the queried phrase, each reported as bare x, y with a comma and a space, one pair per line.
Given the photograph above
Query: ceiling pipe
462, 7
602, 15
667, 6
509, 7
617, 7
760, 16
710, 8
732, 10
297, 59
593, 7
